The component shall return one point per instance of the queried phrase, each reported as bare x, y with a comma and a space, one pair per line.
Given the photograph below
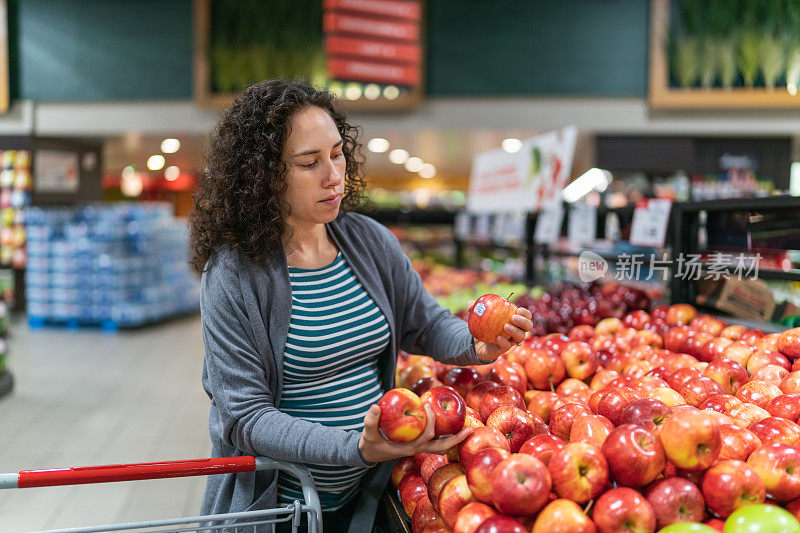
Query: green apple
761, 519
687, 527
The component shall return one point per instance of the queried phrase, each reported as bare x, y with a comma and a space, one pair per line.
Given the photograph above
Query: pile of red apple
634, 424
567, 305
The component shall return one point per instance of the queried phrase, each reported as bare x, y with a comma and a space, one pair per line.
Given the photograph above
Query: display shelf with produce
762, 233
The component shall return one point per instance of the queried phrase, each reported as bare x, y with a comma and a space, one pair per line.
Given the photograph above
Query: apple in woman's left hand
516, 328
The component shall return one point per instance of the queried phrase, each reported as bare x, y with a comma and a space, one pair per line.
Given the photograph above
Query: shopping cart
245, 522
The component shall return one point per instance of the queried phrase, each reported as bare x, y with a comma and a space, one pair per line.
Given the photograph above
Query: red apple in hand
579, 472
479, 471
737, 443
778, 465
494, 398
520, 485
448, 408
675, 499
462, 379
402, 416
514, 423
542, 447
487, 318
485, 437
650, 414
731, 484
471, 516
563, 516
635, 456
412, 489
690, 439
624, 509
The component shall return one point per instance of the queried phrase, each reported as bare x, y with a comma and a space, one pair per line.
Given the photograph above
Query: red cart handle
80, 475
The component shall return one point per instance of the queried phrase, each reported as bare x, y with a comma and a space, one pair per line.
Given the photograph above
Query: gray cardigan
245, 309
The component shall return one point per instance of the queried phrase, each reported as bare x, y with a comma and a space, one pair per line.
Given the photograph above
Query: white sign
582, 224
650, 220
56, 171
548, 223
525, 180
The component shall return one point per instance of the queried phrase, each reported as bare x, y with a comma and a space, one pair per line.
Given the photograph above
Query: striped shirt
330, 367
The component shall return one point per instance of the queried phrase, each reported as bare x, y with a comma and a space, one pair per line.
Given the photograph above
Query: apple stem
552, 389
509, 296
588, 507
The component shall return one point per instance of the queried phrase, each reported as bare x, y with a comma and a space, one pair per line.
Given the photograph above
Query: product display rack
686, 224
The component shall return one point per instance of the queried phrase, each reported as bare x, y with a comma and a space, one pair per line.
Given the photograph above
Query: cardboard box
750, 299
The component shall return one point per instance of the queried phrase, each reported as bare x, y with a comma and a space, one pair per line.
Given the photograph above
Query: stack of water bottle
115, 265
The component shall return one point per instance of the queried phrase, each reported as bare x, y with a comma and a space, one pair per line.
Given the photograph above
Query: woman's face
315, 167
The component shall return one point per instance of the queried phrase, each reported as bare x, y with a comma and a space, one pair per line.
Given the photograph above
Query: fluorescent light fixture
170, 146
171, 173
594, 179
414, 164
427, 171
156, 162
398, 156
378, 145
511, 145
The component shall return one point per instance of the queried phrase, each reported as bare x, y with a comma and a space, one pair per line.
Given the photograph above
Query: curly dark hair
240, 198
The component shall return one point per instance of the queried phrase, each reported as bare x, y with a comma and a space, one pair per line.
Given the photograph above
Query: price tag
582, 224
548, 223
650, 220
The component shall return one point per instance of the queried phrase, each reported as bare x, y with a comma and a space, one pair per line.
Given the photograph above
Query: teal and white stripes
330, 367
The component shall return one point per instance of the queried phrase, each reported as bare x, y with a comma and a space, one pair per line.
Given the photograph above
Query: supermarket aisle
92, 398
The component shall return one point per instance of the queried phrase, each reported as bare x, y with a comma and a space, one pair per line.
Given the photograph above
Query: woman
304, 308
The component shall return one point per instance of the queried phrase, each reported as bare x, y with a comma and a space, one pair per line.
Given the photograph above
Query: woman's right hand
375, 448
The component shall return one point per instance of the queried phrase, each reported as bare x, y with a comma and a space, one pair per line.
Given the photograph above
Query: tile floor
87, 397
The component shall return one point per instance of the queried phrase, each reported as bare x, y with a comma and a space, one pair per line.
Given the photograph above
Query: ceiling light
414, 164
378, 145
594, 179
170, 146
353, 92
390, 92
156, 162
398, 156
427, 171
132, 186
171, 173
372, 92
512, 145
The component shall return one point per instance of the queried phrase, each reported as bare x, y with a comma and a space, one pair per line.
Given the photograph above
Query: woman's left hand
515, 330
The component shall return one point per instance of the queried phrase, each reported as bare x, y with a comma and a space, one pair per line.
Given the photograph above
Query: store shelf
771, 203
6, 383
494, 245
765, 274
